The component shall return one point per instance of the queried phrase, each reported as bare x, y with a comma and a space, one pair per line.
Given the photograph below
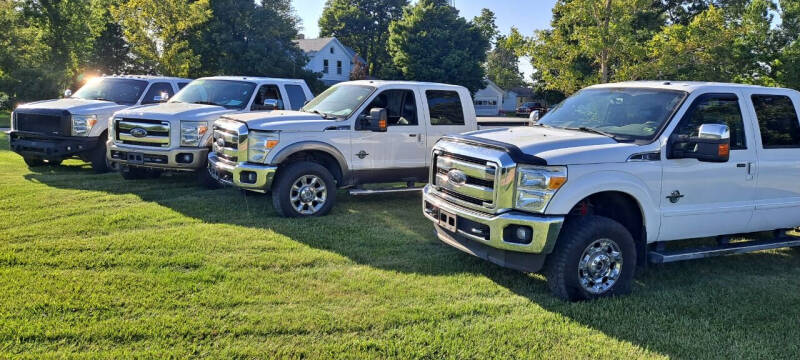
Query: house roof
312, 46
523, 91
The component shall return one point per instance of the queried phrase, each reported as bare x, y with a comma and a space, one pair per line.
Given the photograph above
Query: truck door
703, 198
778, 191
446, 115
402, 147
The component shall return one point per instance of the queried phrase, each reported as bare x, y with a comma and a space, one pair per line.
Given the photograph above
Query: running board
359, 192
726, 249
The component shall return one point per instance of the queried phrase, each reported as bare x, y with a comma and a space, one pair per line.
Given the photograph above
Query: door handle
741, 165
412, 135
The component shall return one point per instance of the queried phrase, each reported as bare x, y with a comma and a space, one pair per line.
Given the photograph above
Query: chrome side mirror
712, 144
534, 117
163, 97
272, 104
714, 132
67, 93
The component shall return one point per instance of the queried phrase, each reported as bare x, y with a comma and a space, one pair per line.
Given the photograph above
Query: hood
562, 147
176, 111
75, 106
285, 120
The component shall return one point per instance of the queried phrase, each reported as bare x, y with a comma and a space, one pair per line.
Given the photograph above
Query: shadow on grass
737, 306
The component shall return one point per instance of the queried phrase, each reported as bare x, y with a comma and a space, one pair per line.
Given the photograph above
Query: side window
325, 66
339, 67
715, 109
181, 85
778, 121
445, 107
297, 97
267, 92
155, 94
400, 105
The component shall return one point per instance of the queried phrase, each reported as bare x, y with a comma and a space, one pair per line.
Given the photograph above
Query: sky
525, 15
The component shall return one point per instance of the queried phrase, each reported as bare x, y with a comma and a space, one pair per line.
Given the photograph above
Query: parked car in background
148, 140
355, 133
616, 172
49, 131
528, 107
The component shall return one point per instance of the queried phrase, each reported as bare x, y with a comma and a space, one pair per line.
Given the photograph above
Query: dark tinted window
182, 84
715, 109
120, 91
297, 97
157, 89
778, 121
267, 92
445, 107
400, 105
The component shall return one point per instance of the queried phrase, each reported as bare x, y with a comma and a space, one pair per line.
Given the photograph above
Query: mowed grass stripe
92, 266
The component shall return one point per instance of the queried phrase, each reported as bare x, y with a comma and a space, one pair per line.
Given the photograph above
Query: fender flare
329, 149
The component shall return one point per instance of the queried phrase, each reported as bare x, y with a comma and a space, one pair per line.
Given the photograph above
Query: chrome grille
143, 132
480, 177
230, 140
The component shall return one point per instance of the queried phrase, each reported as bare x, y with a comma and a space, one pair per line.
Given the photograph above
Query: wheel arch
320, 152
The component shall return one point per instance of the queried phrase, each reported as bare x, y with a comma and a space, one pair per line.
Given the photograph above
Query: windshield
339, 101
629, 113
120, 91
228, 93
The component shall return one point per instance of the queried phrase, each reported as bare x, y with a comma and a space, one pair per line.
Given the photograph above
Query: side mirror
163, 97
67, 93
377, 120
712, 144
272, 104
534, 117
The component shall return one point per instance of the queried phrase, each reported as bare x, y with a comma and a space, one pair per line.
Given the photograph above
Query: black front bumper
49, 146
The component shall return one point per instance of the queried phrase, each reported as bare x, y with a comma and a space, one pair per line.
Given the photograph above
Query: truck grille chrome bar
143, 132
230, 140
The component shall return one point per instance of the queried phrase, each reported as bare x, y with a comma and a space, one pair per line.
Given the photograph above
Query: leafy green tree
486, 21
787, 64
433, 43
502, 63
159, 32
364, 26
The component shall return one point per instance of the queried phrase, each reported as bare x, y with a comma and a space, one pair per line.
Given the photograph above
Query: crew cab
617, 171
354, 133
49, 131
147, 140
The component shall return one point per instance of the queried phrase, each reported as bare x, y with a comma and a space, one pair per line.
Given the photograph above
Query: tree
359, 71
433, 43
159, 32
364, 26
486, 23
787, 65
502, 63
248, 38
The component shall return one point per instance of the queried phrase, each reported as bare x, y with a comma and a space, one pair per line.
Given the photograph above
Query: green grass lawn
5, 119
95, 266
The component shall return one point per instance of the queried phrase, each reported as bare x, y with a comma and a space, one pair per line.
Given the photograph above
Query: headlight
192, 132
259, 145
536, 185
83, 124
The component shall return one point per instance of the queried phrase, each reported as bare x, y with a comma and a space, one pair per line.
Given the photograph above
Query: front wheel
33, 161
205, 179
594, 257
303, 189
97, 156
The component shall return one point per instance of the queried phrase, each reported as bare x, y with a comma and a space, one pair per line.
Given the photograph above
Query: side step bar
659, 257
360, 192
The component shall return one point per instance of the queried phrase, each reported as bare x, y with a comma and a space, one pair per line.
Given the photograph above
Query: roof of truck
146, 77
399, 82
254, 79
688, 86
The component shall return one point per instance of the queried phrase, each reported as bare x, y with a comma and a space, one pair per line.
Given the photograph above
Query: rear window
777, 118
297, 97
445, 107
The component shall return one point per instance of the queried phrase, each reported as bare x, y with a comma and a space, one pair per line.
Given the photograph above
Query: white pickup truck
355, 133
50, 131
616, 171
174, 136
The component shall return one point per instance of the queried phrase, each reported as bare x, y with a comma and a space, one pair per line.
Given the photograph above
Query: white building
329, 57
489, 100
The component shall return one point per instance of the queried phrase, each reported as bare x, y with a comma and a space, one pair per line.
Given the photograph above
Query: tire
54, 162
133, 173
295, 185
33, 161
98, 158
205, 179
602, 242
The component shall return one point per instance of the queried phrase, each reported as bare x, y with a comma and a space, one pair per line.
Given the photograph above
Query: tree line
49, 45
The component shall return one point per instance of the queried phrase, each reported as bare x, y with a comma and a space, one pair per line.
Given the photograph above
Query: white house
329, 57
515, 97
489, 100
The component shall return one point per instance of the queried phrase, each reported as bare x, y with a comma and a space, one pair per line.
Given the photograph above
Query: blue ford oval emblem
456, 177
138, 132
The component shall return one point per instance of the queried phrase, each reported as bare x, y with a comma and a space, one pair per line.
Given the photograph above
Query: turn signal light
382, 124
724, 149
201, 130
271, 144
556, 182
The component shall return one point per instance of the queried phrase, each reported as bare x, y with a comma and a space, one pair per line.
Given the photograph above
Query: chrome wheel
308, 194
600, 266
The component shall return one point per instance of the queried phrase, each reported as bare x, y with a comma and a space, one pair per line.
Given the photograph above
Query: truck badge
138, 132
456, 177
362, 154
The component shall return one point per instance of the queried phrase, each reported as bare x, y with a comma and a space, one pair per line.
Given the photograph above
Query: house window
331, 49
339, 67
325, 66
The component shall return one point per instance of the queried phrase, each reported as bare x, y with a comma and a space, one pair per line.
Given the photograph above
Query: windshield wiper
205, 103
324, 115
103, 99
600, 132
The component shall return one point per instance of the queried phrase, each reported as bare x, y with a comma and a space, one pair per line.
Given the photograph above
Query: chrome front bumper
242, 175
545, 228
155, 157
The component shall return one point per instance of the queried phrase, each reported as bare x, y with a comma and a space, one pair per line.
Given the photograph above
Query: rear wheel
594, 257
303, 189
33, 161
